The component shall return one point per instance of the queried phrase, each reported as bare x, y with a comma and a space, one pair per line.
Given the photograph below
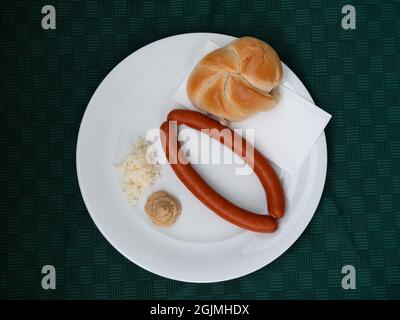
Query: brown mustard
162, 208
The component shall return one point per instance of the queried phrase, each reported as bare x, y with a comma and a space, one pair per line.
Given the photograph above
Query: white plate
200, 247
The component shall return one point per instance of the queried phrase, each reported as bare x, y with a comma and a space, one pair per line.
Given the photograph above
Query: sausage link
207, 195
261, 167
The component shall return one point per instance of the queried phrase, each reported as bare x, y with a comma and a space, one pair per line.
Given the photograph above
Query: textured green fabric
48, 77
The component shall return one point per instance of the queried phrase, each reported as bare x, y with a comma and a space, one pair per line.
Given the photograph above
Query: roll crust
236, 81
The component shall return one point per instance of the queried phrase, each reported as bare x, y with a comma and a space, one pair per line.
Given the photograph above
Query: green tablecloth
48, 77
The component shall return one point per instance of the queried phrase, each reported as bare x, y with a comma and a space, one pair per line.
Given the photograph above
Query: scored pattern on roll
236, 81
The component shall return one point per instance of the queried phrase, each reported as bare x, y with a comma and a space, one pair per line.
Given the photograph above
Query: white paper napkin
286, 133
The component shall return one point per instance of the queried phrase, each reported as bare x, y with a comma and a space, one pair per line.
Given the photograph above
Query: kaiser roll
236, 81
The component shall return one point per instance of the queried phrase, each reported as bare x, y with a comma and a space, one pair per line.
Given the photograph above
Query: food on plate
139, 170
208, 196
162, 208
236, 81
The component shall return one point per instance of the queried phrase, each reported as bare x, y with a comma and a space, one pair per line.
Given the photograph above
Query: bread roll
236, 81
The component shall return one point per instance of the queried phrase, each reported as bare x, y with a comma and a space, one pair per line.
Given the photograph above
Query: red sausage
213, 200
268, 178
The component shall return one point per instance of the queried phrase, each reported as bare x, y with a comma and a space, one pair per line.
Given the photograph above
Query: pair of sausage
207, 195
